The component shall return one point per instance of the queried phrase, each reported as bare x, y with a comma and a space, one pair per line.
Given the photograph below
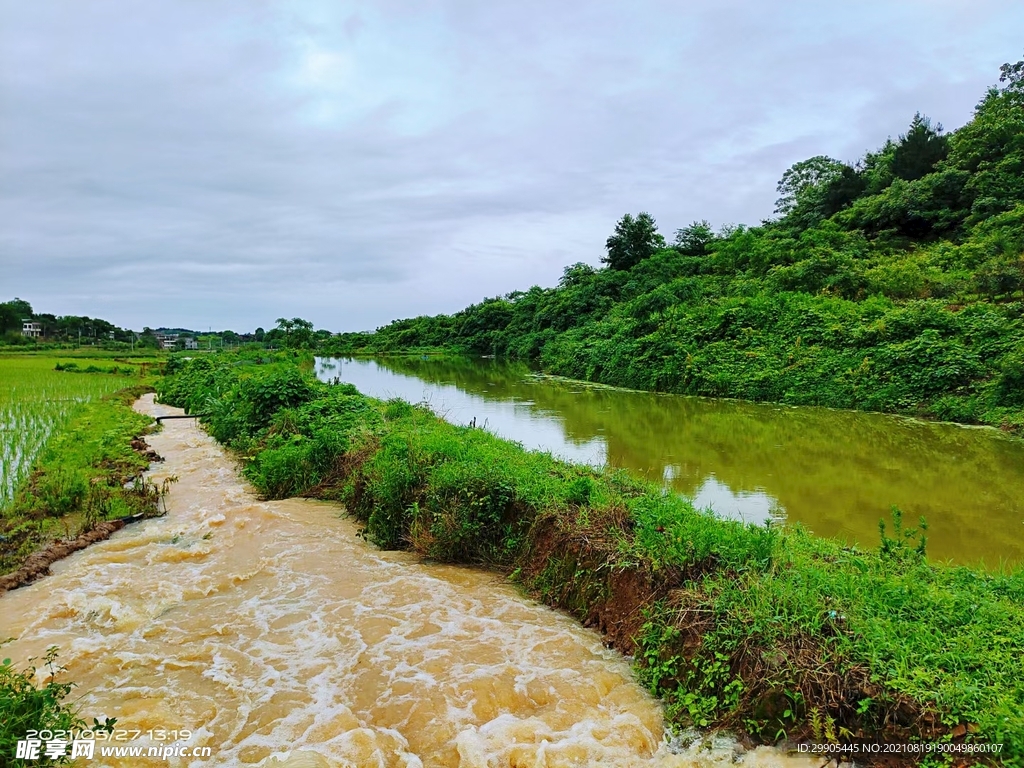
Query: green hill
895, 284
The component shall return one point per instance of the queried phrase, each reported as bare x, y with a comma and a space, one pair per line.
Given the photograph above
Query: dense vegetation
64, 331
61, 328
895, 284
771, 631
23, 706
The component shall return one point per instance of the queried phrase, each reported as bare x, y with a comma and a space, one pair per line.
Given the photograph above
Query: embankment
772, 632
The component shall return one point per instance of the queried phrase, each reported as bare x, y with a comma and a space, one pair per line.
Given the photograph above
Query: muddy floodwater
275, 635
835, 472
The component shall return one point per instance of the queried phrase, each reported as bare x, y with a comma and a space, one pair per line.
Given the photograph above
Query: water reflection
490, 403
748, 506
836, 472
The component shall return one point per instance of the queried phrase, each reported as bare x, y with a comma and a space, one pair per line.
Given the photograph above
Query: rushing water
835, 472
273, 632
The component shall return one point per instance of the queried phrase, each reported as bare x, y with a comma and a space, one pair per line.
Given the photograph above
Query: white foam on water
280, 638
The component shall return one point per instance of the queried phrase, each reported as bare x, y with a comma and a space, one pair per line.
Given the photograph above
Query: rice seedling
36, 403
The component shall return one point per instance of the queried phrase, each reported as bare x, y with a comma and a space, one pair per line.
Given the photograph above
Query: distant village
165, 339
20, 325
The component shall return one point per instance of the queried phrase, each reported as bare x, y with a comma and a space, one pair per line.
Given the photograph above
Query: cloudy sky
221, 163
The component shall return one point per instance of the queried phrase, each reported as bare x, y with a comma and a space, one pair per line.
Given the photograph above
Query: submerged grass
768, 630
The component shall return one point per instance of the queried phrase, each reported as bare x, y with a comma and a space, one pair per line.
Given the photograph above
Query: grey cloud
167, 163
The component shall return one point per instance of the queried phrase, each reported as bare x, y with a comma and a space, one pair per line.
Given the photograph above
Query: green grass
66, 447
23, 706
37, 402
772, 631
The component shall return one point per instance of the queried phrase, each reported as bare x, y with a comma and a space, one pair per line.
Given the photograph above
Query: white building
170, 341
32, 330
167, 340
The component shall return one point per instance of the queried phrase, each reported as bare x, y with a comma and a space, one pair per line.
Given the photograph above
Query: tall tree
13, 313
1012, 75
695, 239
634, 240
920, 149
804, 178
841, 191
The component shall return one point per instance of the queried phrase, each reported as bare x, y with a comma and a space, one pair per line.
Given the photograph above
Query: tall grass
37, 402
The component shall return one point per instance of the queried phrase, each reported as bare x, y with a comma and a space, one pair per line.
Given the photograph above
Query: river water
277, 636
835, 472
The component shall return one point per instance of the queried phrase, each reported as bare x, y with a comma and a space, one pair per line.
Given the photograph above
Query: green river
834, 472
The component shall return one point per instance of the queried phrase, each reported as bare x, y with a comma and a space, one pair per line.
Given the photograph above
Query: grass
37, 402
68, 461
771, 631
23, 706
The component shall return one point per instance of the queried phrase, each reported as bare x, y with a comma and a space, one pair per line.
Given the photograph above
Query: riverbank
771, 632
834, 472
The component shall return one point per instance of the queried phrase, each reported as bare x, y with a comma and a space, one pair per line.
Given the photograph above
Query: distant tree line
294, 333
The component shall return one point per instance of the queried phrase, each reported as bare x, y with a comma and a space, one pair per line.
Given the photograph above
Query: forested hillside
894, 284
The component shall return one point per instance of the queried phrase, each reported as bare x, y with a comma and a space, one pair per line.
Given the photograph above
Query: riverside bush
24, 706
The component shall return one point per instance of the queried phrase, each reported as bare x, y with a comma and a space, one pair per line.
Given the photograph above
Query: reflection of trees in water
838, 472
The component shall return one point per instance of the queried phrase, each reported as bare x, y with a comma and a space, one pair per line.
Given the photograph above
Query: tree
1012, 75
13, 313
259, 334
302, 333
148, 339
634, 240
991, 148
919, 150
297, 332
803, 178
575, 274
695, 239
841, 191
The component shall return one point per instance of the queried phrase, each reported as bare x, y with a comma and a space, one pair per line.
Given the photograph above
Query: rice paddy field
37, 402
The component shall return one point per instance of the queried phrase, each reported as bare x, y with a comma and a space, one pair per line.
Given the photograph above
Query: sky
222, 163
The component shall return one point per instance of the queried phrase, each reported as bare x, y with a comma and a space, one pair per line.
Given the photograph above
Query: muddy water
275, 634
837, 473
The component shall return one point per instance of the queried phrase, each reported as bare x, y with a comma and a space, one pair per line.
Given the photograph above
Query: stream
270, 632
